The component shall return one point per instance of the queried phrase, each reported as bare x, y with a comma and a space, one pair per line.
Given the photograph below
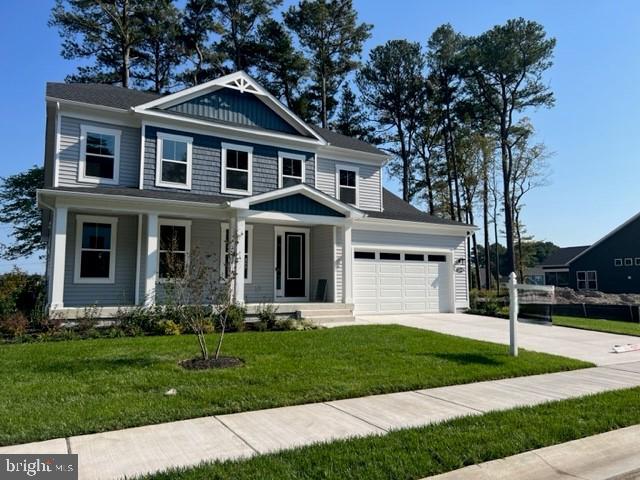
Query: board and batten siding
398, 240
368, 182
207, 169
69, 153
121, 292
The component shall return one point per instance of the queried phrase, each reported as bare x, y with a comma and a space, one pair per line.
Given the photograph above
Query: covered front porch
292, 253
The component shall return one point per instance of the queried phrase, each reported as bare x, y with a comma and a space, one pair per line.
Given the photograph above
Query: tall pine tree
351, 120
107, 33
330, 33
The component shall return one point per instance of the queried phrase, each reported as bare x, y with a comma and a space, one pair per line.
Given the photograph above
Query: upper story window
95, 259
99, 155
173, 164
175, 240
236, 169
291, 169
347, 184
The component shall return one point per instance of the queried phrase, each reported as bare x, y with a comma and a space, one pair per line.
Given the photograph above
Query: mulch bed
220, 362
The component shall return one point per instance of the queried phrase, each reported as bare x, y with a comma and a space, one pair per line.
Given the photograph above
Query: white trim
628, 262
160, 137
151, 261
82, 164
57, 274
315, 170
80, 221
56, 153
224, 146
74, 103
293, 156
335, 266
617, 262
390, 225
238, 81
224, 227
138, 254
278, 230
172, 222
347, 264
143, 141
349, 168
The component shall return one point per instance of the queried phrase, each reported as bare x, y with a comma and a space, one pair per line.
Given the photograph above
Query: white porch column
237, 233
59, 236
152, 260
347, 264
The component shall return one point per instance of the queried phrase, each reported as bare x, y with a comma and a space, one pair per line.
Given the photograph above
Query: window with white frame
99, 155
236, 169
173, 164
587, 280
291, 168
637, 261
225, 259
628, 262
175, 242
347, 184
617, 262
95, 258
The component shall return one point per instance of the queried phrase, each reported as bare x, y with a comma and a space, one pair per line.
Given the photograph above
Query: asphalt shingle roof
394, 208
563, 256
99, 94
125, 98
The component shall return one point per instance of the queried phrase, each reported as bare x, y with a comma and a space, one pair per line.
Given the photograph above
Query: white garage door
400, 282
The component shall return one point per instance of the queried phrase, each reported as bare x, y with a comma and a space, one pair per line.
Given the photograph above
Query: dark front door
294, 265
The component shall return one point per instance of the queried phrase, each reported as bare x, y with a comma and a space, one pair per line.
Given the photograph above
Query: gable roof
114, 96
397, 209
562, 256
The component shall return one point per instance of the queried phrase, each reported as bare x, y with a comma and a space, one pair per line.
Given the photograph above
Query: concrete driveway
590, 346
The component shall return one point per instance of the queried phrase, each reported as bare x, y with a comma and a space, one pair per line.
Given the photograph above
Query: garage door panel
400, 286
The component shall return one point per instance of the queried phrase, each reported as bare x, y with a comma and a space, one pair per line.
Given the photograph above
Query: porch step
337, 312
330, 319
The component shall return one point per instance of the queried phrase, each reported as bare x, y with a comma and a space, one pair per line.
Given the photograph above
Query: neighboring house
534, 276
611, 265
127, 171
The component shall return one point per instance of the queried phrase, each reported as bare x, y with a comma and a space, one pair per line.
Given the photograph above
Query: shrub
267, 317
14, 324
235, 318
169, 327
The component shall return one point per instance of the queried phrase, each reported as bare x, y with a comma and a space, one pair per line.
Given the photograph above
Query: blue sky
593, 129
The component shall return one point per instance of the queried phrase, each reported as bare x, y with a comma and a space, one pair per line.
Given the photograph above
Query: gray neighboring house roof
125, 98
563, 256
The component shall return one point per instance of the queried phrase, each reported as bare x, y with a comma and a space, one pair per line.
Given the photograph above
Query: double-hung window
587, 280
291, 168
99, 155
173, 164
347, 184
175, 240
225, 256
236, 169
95, 258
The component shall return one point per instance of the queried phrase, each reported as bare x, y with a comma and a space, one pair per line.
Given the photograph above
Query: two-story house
126, 171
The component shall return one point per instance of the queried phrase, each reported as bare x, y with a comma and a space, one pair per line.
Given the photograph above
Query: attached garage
387, 281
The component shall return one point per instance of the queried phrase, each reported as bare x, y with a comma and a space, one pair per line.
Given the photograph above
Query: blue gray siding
206, 169
297, 203
121, 292
368, 182
232, 106
69, 154
322, 260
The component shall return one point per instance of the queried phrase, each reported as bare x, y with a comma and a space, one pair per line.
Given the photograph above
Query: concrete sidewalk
151, 448
587, 345
613, 455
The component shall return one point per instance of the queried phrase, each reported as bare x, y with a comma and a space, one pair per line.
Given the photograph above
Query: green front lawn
67, 388
420, 452
610, 326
